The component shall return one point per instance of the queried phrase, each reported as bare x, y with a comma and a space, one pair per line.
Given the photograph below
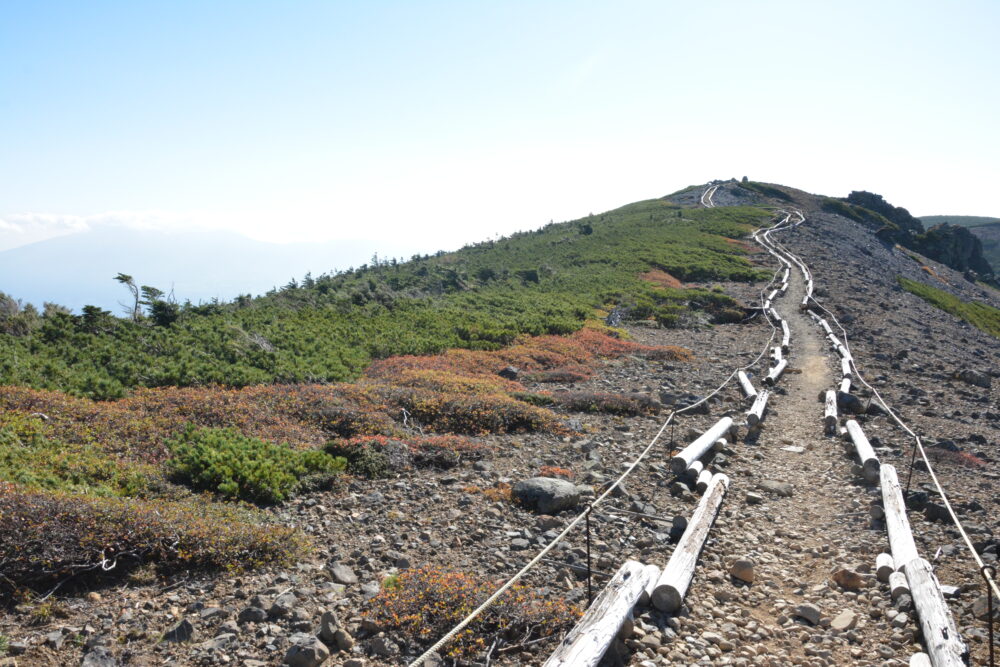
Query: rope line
464, 623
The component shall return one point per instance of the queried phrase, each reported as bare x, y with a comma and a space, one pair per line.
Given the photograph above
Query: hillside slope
378, 560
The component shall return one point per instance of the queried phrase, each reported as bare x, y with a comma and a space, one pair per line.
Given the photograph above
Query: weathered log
652, 574
866, 454
673, 583
775, 373
845, 367
684, 458
786, 336
589, 639
845, 386
941, 639
772, 295
920, 660
830, 413
826, 327
767, 307
704, 479
898, 585
756, 413
719, 445
844, 353
834, 341
805, 303
775, 315
776, 355
746, 386
898, 526
884, 566
783, 288
694, 470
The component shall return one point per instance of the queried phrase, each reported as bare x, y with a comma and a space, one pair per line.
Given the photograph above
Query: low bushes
980, 315
615, 404
380, 456
47, 537
237, 466
425, 603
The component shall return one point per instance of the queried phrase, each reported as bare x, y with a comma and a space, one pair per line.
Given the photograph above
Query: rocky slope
795, 512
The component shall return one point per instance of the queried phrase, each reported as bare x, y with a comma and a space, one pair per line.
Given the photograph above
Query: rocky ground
763, 593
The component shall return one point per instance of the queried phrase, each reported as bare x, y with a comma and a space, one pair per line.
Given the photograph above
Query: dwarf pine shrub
225, 461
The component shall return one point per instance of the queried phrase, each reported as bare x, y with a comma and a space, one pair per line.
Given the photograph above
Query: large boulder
975, 377
548, 495
306, 651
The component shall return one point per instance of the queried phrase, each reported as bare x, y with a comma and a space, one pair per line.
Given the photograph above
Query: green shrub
225, 461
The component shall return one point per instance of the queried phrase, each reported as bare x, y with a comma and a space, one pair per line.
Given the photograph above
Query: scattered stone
754, 498
810, 612
328, 626
849, 580
509, 373
99, 656
306, 651
252, 615
845, 620
743, 569
342, 574
974, 377
547, 495
283, 605
181, 632
783, 489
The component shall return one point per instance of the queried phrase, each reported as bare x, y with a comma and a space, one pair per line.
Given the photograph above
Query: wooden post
884, 566
786, 336
719, 445
920, 660
845, 367
898, 585
845, 386
756, 413
941, 639
702, 444
775, 373
844, 353
652, 574
783, 288
767, 307
746, 385
673, 583
900, 538
775, 316
589, 639
776, 354
694, 470
830, 413
869, 462
772, 295
704, 479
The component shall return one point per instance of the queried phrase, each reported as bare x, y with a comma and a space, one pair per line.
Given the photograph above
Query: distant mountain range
79, 269
986, 229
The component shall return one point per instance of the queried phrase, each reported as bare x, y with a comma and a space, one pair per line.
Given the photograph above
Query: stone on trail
182, 632
754, 498
810, 612
845, 620
783, 489
849, 580
547, 494
743, 570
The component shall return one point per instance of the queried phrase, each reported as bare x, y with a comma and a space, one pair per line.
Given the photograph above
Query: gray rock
343, 639
343, 574
810, 612
547, 494
783, 489
181, 632
306, 651
328, 626
845, 620
283, 605
974, 377
212, 612
252, 615
754, 498
55, 639
743, 569
980, 608
355, 662
99, 656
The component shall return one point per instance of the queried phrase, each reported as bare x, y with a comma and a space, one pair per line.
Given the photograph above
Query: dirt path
795, 542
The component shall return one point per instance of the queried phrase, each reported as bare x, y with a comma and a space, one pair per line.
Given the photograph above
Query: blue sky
440, 123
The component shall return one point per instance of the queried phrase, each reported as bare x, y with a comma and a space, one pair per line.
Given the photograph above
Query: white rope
583, 515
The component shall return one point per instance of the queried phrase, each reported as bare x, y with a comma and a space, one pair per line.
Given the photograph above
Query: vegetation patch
615, 404
425, 603
766, 190
379, 456
980, 315
225, 461
661, 278
48, 537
